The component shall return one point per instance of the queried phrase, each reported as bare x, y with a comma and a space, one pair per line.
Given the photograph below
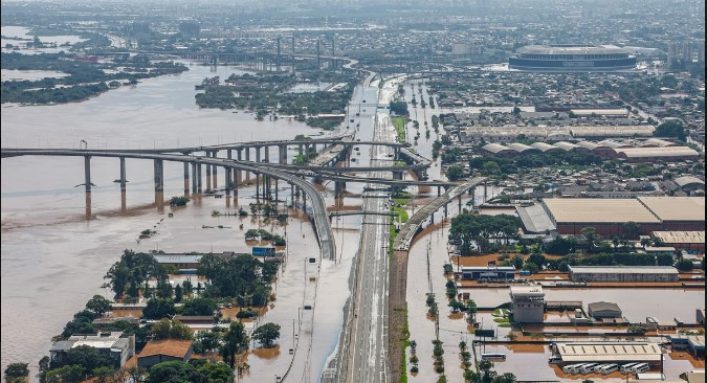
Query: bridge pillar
339, 188
159, 184
292, 194
485, 192
277, 184
214, 172
267, 153
186, 179
198, 179
193, 178
87, 183
257, 189
300, 149
228, 173
247, 158
397, 153
236, 180
208, 173
123, 194
283, 154
229, 154
445, 210
439, 191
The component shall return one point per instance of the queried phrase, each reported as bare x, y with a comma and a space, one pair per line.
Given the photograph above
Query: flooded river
52, 260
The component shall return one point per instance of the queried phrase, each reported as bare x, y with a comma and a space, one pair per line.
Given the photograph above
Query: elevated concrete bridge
233, 169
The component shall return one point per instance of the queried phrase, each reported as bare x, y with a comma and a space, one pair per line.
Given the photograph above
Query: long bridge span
320, 217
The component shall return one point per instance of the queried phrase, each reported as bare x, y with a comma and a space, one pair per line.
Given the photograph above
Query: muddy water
52, 260
423, 278
526, 362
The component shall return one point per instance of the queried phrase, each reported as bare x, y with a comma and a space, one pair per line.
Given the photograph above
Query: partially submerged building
527, 304
117, 346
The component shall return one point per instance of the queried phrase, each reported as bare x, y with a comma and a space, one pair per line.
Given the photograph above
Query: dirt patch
117, 312
267, 353
527, 348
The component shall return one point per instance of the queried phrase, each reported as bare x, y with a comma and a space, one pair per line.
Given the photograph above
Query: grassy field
399, 123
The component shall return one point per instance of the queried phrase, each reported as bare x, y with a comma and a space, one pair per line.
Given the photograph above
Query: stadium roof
570, 49
676, 208
595, 210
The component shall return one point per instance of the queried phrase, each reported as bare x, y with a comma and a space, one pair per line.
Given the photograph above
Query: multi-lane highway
364, 345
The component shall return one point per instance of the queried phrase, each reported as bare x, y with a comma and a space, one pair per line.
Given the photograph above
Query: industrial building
606, 352
677, 213
527, 304
608, 216
604, 310
494, 273
571, 58
682, 240
623, 274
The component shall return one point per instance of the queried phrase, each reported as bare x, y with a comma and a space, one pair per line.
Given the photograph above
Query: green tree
665, 259
158, 308
267, 334
207, 341
170, 329
455, 172
199, 306
685, 265
178, 294
87, 357
672, 128
98, 305
65, 374
174, 372
235, 341
16, 372
631, 230
103, 374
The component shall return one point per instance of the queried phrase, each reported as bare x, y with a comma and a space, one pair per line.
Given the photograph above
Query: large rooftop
623, 270
669, 237
609, 352
676, 208
594, 210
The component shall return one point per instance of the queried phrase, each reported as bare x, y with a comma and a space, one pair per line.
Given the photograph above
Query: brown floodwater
53, 260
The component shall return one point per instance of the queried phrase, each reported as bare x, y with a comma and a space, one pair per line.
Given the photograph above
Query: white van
608, 369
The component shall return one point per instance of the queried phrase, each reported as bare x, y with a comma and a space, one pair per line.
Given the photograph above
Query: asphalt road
366, 348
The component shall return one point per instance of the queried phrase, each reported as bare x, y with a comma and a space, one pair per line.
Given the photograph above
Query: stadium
564, 58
